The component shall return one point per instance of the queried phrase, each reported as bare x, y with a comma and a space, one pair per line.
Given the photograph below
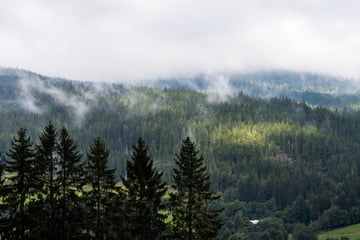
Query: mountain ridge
312, 88
265, 156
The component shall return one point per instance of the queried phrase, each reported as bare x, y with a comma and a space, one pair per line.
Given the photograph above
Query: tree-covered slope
315, 89
265, 156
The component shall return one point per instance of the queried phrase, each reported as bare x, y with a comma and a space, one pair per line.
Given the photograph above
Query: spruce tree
3, 221
16, 220
100, 197
46, 163
190, 203
1, 178
70, 180
144, 192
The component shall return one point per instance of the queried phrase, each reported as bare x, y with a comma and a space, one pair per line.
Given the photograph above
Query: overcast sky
118, 40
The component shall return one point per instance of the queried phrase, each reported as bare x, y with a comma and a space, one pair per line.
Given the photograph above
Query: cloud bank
118, 40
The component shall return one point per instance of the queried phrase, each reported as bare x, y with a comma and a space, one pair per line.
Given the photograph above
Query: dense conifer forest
291, 166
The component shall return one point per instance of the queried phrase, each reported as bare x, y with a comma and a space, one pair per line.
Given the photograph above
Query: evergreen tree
16, 223
2, 193
302, 232
46, 163
70, 180
190, 203
1, 175
117, 216
100, 197
144, 192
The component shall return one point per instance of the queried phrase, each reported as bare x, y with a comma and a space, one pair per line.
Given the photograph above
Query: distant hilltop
315, 89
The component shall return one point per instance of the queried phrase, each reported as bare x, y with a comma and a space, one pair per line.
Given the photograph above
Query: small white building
255, 221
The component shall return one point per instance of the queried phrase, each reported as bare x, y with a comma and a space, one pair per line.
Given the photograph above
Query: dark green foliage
99, 197
50, 194
268, 229
145, 189
70, 179
334, 217
15, 217
117, 216
2, 193
302, 232
275, 156
58, 180
46, 161
300, 211
190, 203
1, 170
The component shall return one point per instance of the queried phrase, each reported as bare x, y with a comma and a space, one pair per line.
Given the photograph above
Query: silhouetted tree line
51, 191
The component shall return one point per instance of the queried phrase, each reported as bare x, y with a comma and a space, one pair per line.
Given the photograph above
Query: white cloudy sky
134, 39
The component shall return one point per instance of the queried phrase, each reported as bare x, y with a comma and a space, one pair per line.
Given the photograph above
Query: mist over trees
291, 165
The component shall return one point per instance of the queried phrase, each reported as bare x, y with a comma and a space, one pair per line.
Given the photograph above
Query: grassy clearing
352, 232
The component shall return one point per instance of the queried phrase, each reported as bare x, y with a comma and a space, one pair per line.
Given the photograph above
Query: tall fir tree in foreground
190, 203
99, 199
46, 162
144, 192
16, 223
3, 206
70, 179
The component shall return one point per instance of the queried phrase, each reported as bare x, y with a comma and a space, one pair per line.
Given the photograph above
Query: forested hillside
315, 89
278, 159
